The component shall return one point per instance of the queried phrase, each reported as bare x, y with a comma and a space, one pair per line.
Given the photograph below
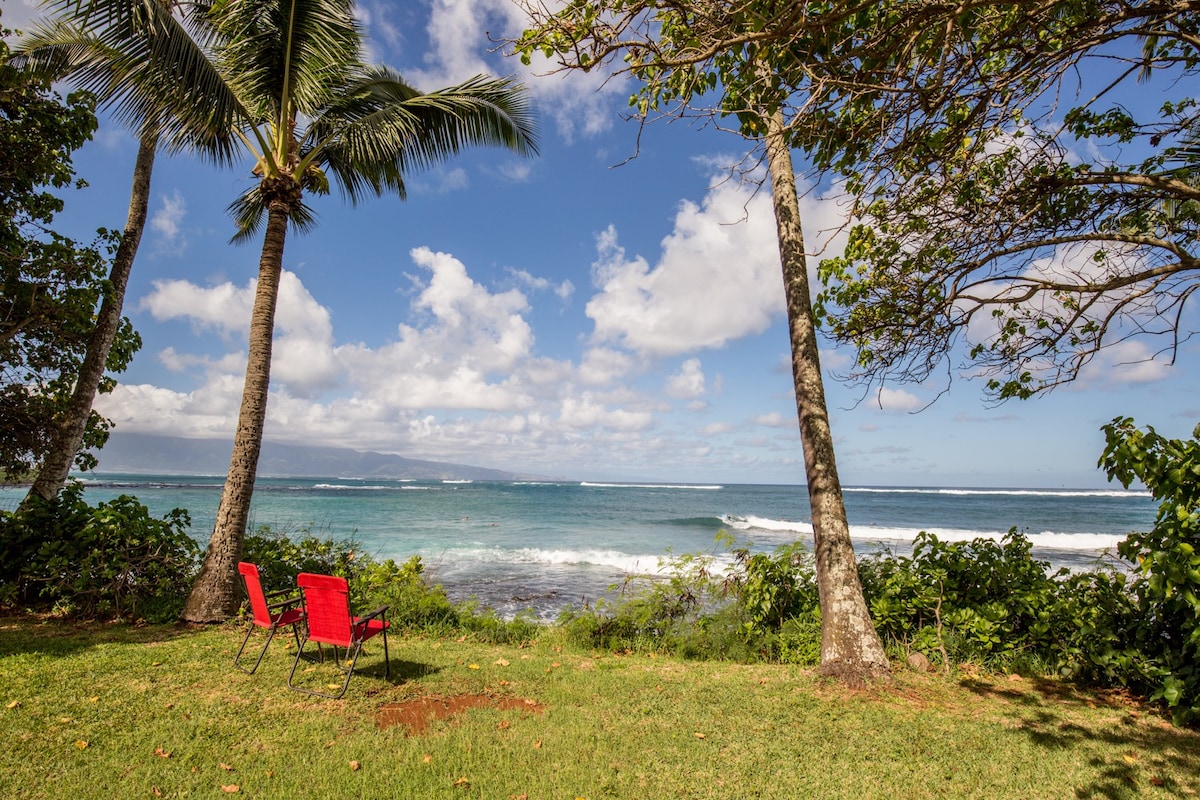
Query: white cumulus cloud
717, 278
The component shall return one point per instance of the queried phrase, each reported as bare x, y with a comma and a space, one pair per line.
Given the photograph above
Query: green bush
1162, 637
111, 560
763, 607
413, 602
982, 600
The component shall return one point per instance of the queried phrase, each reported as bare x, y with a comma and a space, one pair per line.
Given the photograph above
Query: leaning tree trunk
214, 596
850, 646
68, 437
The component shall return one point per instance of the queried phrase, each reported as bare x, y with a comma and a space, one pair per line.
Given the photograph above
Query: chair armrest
379, 612
291, 601
279, 593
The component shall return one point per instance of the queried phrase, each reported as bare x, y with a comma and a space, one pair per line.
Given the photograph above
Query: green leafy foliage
1164, 634
760, 606
412, 601
50, 286
987, 602
110, 560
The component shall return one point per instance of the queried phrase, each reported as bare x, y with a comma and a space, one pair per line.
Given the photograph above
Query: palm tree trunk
214, 596
850, 646
68, 438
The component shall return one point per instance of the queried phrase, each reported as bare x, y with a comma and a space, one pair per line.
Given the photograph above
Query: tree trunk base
856, 676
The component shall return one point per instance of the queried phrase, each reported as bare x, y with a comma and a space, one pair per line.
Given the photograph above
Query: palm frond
249, 213
292, 57
382, 127
141, 63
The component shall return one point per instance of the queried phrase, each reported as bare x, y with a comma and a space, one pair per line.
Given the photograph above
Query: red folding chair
267, 614
329, 621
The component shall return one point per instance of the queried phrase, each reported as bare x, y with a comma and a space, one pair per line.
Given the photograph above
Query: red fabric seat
266, 614
329, 621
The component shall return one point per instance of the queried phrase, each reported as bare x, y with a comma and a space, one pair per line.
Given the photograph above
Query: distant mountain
172, 455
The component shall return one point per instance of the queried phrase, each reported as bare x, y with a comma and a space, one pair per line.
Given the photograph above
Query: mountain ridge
175, 455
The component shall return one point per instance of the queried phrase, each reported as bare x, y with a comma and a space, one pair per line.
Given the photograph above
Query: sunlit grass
112, 711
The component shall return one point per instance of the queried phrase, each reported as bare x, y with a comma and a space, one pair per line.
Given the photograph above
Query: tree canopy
1026, 186
51, 284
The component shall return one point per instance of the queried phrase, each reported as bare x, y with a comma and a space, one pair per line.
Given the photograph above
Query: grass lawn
113, 711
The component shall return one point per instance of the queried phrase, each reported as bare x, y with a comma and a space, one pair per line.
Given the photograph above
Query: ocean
543, 546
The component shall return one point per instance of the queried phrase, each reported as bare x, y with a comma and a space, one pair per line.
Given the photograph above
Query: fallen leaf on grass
537, 745
65, 720
462, 782
700, 736
427, 758
95, 699
1130, 758
503, 662
1156, 781
161, 753
80, 743
157, 792
503, 725
13, 704
472, 666
230, 788
226, 767
354, 765
156, 663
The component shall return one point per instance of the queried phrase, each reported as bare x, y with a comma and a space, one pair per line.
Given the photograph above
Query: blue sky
581, 315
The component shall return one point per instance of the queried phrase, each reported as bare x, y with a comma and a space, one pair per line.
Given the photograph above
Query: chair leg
263, 652
345, 684
387, 660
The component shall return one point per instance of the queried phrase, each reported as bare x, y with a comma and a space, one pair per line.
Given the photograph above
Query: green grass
163, 713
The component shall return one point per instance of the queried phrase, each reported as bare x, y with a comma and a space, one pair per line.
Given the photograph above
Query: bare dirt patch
416, 714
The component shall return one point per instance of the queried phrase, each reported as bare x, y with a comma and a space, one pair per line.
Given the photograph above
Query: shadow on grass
1047, 712
366, 673
28, 634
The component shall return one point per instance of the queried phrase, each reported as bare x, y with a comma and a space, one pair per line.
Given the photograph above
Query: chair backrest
258, 601
327, 608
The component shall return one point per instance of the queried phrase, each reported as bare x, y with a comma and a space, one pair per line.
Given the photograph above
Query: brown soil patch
418, 713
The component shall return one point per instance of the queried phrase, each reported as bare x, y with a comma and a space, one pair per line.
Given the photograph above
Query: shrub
762, 607
981, 600
412, 601
1162, 653
113, 559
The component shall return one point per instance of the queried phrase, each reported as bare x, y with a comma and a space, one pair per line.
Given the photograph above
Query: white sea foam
777, 528
649, 486
1002, 492
458, 480
343, 486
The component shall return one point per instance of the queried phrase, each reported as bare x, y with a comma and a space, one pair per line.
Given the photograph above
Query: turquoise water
516, 545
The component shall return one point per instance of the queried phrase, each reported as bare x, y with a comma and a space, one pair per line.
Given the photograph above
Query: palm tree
296, 96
